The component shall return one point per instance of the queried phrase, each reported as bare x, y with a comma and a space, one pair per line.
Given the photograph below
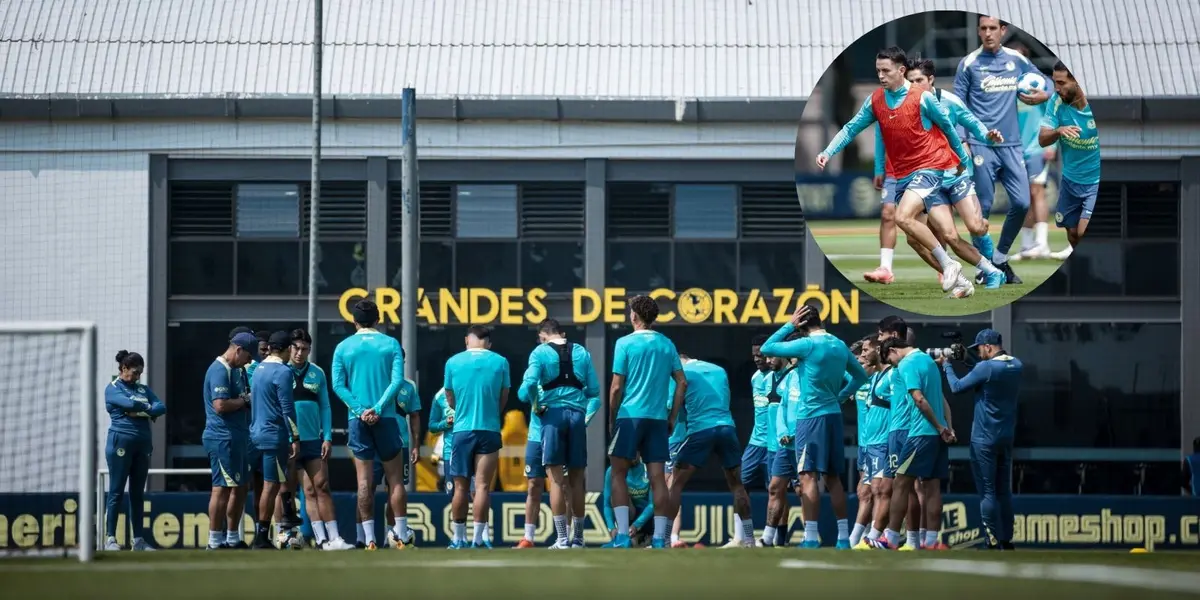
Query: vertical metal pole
314, 210
86, 536
408, 237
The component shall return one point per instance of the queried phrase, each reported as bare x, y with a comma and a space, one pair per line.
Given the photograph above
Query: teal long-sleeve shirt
368, 369
543, 368
933, 114
959, 114
314, 420
639, 495
824, 362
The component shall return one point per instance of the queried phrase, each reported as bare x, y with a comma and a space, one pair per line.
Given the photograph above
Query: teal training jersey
1029, 119
680, 432
250, 369
824, 361
918, 371
873, 418
368, 368
760, 385
891, 390
439, 417
789, 408
543, 369
313, 419
1080, 157
639, 495
707, 398
647, 359
408, 402
477, 376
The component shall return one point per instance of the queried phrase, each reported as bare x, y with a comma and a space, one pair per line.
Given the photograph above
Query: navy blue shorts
253, 461
874, 459
756, 467
672, 453
895, 446
925, 457
1076, 201
564, 437
999, 164
926, 184
819, 444
227, 459
699, 445
783, 464
274, 463
468, 445
381, 440
309, 450
645, 436
1036, 168
533, 460
378, 475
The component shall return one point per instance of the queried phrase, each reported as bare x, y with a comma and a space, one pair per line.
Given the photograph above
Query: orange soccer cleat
881, 275
524, 543
679, 544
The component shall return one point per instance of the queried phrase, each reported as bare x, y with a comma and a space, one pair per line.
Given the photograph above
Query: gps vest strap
566, 369
299, 392
773, 395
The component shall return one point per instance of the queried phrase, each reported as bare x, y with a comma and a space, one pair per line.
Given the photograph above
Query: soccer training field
612, 574
853, 248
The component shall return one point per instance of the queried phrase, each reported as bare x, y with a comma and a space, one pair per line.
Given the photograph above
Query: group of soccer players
924, 168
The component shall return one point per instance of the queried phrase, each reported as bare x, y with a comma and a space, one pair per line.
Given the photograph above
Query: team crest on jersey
978, 160
449, 486
1091, 124
1009, 66
237, 478
142, 390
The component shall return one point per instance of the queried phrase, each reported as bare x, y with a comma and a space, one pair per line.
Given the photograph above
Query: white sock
460, 532
487, 533
359, 530
402, 528
999, 258
939, 254
1027, 237
479, 527
921, 535
319, 532
529, 530
747, 530
843, 529
931, 537
578, 523
622, 515
769, 535
216, 538
1041, 230
811, 531
912, 539
986, 266
368, 531
560, 527
233, 536
893, 538
857, 534
331, 529
674, 538
874, 534
886, 255
738, 535
661, 526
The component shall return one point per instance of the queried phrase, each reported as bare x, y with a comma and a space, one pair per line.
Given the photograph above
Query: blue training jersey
760, 385
476, 377
408, 401
987, 83
130, 408
824, 361
789, 409
368, 369
314, 417
680, 432
639, 495
1029, 119
918, 371
647, 359
997, 385
1080, 157
543, 369
890, 392
873, 417
222, 382
273, 420
707, 397
775, 387
439, 422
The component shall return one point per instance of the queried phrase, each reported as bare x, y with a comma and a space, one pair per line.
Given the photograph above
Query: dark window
486, 211
552, 266
1151, 268
1095, 268
201, 209
834, 280
704, 265
1099, 385
491, 265
705, 211
639, 266
552, 210
639, 210
343, 210
765, 266
201, 268
436, 268
1153, 210
771, 210
340, 266
269, 268
435, 208
268, 210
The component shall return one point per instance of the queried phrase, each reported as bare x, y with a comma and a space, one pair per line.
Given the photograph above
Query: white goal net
48, 405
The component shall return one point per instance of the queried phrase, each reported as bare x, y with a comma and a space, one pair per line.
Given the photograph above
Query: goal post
49, 394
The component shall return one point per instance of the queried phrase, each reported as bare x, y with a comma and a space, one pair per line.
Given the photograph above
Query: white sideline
211, 565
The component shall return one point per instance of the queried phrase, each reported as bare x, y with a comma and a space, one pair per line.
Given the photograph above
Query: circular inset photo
958, 165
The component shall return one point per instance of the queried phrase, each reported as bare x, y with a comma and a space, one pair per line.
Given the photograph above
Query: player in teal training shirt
477, 383
273, 431
925, 455
639, 501
784, 400
642, 414
1034, 240
873, 420
1070, 124
710, 430
441, 420
131, 407
368, 371
824, 362
561, 383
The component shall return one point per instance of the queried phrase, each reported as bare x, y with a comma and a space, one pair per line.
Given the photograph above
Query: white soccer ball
963, 289
1031, 82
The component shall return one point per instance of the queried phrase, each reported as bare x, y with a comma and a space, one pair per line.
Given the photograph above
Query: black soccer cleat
238, 545
359, 545
1008, 546
1009, 274
980, 278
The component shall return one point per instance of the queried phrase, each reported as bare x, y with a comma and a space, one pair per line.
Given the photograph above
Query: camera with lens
956, 351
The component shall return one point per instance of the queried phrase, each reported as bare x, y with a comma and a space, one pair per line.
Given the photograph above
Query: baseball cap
987, 336
246, 341
279, 340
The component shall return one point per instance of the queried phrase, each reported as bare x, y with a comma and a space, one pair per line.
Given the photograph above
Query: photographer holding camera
996, 379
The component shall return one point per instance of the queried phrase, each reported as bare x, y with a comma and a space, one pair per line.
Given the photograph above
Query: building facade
157, 169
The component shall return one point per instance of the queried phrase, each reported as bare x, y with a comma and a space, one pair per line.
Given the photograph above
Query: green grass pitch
594, 573
853, 248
